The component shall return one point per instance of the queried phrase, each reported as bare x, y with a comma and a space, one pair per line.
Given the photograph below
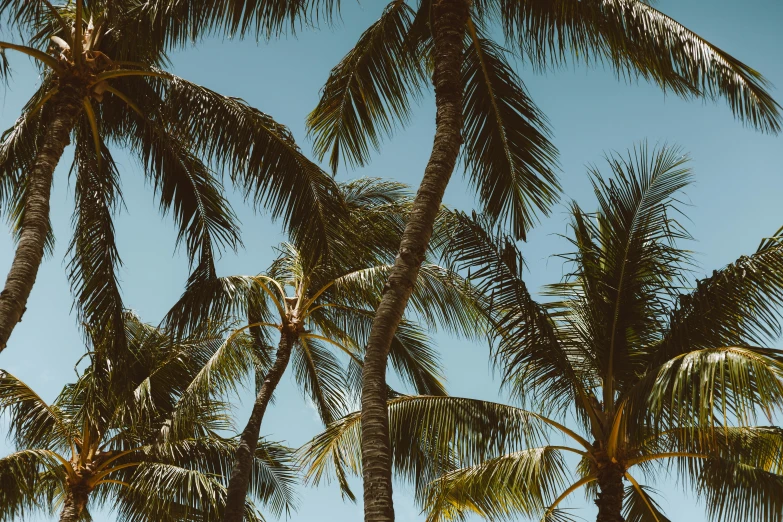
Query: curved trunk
610, 494
449, 20
35, 223
73, 506
243, 460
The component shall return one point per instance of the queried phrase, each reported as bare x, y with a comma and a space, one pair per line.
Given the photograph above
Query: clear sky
736, 198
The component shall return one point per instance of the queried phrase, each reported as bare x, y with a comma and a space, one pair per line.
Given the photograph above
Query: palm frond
321, 377
262, 158
523, 482
28, 479
640, 506
32, 422
739, 304
507, 149
639, 41
713, 386
368, 93
95, 259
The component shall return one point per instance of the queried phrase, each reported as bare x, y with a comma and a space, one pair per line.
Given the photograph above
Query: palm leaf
367, 93
638, 40
507, 149
524, 482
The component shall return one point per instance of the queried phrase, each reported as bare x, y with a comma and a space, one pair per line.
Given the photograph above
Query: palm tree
103, 85
122, 436
656, 376
320, 303
481, 102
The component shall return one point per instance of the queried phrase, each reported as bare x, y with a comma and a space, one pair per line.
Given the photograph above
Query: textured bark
73, 506
610, 494
243, 461
35, 224
449, 20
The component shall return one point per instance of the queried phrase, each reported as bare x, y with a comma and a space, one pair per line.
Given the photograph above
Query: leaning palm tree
318, 304
482, 102
103, 86
655, 376
121, 436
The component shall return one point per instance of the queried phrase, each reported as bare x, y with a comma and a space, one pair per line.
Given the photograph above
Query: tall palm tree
103, 85
656, 376
481, 102
121, 436
320, 303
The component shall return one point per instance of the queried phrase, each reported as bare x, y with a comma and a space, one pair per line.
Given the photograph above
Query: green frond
519, 483
321, 378
507, 151
262, 159
536, 363
639, 41
640, 506
429, 435
221, 375
368, 93
28, 479
32, 422
714, 386
95, 260
738, 304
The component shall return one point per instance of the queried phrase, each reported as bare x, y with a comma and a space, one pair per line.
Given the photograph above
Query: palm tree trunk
449, 19
610, 494
35, 223
73, 506
243, 461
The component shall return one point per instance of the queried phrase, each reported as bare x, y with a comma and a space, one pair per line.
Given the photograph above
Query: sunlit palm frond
524, 482
368, 93
712, 386
507, 153
32, 422
28, 479
428, 435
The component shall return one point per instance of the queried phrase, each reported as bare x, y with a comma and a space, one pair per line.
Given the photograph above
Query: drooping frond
95, 259
321, 378
368, 93
534, 361
262, 159
638, 40
507, 153
519, 483
28, 479
32, 422
640, 506
713, 386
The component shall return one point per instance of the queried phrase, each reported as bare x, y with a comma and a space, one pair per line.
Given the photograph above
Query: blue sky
735, 199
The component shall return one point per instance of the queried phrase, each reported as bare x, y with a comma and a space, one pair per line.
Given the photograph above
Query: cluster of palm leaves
641, 370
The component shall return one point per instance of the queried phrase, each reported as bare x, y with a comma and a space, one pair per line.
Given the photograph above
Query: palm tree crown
321, 305
653, 373
104, 86
125, 434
